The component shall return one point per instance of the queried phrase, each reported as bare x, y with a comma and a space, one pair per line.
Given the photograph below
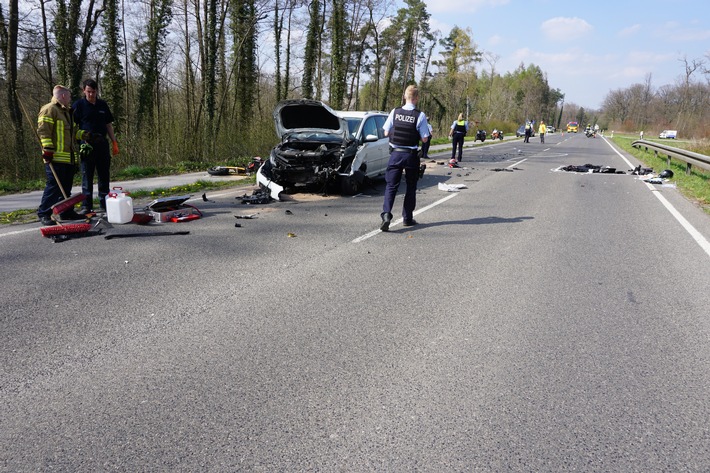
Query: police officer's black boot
386, 219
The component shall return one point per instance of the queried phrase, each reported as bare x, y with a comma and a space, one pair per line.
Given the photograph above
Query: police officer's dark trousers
457, 141
407, 162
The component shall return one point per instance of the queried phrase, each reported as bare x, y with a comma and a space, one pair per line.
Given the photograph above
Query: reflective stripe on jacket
58, 132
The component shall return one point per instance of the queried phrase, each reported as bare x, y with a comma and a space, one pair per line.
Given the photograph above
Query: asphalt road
538, 320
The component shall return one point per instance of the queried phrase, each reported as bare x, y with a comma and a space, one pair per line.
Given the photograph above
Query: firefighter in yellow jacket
58, 134
542, 129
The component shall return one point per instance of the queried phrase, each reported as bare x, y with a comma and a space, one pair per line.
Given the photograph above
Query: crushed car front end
316, 147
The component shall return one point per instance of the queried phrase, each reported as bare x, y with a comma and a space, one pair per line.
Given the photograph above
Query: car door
374, 154
381, 149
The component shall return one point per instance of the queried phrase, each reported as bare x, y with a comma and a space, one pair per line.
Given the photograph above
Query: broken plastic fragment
451, 187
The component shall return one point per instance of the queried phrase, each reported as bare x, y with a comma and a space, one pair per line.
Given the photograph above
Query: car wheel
218, 171
349, 185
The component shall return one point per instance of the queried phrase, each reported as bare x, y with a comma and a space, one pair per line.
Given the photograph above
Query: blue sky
586, 48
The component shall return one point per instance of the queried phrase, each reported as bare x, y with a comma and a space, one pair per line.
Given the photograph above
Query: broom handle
61, 187
51, 166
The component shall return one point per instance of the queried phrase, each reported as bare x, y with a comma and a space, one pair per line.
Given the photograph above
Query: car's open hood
303, 115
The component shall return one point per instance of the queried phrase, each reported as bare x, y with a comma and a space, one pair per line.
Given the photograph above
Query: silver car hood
304, 115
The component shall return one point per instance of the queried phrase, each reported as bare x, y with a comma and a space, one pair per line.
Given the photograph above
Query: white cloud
471, 6
564, 29
495, 40
629, 31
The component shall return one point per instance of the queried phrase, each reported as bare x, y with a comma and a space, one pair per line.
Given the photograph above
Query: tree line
197, 80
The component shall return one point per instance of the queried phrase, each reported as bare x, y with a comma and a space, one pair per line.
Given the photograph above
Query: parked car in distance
323, 148
521, 131
669, 134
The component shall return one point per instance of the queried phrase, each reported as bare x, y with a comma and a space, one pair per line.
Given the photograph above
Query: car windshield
353, 124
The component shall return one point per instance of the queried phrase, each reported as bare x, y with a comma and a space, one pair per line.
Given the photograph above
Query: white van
670, 134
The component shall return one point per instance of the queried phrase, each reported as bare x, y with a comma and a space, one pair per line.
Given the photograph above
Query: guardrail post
668, 160
687, 168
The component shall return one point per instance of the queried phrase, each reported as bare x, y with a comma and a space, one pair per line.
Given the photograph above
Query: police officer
528, 131
457, 133
405, 126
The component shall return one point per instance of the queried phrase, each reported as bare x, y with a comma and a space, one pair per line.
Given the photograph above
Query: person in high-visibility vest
457, 134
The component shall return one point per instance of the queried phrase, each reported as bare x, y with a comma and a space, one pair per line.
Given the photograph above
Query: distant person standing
405, 127
542, 129
457, 133
427, 143
528, 131
93, 114
640, 135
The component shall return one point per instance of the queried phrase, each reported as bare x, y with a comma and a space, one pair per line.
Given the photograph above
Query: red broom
65, 229
68, 202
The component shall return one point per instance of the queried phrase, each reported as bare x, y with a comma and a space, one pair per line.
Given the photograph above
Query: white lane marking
18, 232
697, 236
399, 220
692, 231
515, 164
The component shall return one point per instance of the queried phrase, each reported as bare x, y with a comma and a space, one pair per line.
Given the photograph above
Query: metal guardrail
688, 157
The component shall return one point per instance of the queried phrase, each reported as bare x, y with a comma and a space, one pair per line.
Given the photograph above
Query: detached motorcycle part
131, 235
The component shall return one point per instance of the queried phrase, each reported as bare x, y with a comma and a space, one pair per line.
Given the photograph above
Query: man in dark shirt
94, 115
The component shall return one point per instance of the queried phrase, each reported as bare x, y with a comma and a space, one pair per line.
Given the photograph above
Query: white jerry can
119, 207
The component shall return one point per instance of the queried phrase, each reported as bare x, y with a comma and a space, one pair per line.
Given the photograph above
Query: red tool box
173, 209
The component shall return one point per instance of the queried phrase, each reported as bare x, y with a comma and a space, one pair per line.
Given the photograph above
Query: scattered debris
259, 196
205, 199
288, 212
71, 236
151, 234
641, 171
291, 235
451, 187
501, 169
591, 168
237, 224
250, 216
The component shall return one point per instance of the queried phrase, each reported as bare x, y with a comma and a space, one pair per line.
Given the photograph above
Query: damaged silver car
318, 149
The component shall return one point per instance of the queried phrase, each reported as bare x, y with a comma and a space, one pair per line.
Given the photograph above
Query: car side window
380, 120
370, 128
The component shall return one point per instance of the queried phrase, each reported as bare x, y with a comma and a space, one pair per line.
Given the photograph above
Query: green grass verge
695, 186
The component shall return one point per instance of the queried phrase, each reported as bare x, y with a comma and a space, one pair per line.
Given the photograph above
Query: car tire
349, 185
